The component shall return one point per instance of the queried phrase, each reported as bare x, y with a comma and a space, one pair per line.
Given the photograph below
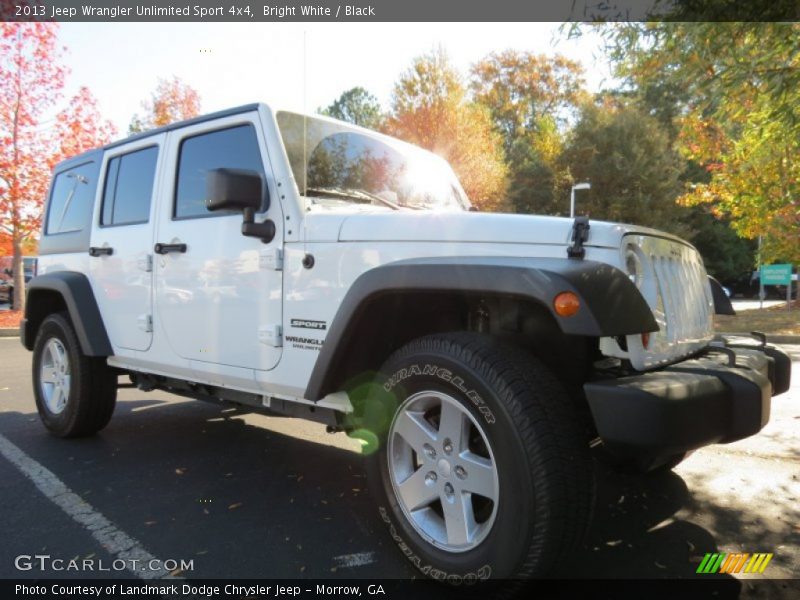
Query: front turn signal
566, 304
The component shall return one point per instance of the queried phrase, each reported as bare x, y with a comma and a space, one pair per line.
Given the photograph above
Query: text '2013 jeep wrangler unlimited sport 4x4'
308, 267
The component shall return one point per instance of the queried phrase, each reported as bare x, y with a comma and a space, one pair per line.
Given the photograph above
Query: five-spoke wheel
443, 471
54, 376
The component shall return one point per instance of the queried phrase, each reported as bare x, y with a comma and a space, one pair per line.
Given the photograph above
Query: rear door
122, 242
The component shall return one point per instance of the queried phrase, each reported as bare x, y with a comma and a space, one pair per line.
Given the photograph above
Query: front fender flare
610, 303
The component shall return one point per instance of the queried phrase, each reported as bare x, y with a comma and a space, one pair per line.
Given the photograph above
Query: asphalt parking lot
252, 496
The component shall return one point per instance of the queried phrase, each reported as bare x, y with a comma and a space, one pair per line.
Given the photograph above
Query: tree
173, 100
430, 108
739, 116
31, 80
629, 161
356, 106
726, 255
80, 127
520, 88
539, 181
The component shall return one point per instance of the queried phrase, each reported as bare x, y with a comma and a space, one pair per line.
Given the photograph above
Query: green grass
776, 321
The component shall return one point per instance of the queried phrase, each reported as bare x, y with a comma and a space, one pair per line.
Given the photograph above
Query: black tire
545, 474
92, 387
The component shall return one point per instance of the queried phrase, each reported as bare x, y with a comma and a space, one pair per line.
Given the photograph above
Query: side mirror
236, 189
233, 189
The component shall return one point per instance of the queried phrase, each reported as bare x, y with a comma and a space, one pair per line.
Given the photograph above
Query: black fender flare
76, 291
610, 302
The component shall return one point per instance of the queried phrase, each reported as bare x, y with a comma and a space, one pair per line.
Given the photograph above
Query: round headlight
634, 267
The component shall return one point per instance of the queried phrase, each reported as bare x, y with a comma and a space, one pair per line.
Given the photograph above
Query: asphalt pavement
251, 496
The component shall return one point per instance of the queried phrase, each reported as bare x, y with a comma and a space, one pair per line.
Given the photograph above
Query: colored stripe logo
741, 562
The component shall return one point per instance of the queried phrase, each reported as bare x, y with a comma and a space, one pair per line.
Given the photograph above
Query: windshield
347, 165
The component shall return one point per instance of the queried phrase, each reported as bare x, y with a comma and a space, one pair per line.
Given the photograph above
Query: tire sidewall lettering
444, 374
481, 574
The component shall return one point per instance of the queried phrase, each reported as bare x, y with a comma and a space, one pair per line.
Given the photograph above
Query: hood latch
580, 234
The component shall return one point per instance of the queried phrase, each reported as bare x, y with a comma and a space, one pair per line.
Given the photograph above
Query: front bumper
721, 396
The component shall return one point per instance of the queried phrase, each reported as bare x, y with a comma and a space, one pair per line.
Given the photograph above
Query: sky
298, 66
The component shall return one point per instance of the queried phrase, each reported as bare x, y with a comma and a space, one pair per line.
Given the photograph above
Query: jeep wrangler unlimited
306, 267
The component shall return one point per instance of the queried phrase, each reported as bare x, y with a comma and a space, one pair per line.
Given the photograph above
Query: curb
784, 339
9, 332
773, 339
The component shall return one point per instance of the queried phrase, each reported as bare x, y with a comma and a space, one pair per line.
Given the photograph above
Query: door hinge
145, 263
271, 258
145, 323
271, 335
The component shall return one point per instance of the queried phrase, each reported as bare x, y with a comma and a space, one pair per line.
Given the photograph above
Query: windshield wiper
353, 194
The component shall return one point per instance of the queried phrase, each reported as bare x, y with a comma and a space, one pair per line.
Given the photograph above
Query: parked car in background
29, 264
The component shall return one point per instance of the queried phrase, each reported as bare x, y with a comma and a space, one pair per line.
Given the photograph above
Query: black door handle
167, 248
104, 251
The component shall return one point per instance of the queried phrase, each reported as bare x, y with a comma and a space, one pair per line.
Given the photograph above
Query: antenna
305, 145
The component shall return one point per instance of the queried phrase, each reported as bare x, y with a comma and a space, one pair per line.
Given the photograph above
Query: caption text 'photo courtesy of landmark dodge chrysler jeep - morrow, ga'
302, 266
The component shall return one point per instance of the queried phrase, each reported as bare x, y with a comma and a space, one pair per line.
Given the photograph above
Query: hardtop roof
90, 154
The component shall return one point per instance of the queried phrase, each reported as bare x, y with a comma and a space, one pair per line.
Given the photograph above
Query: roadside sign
776, 274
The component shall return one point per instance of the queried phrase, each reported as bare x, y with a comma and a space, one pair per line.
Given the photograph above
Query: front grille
677, 290
682, 284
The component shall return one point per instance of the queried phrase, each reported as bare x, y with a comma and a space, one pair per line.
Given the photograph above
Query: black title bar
397, 10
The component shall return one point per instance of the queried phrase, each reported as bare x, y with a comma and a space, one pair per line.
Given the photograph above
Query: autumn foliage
172, 101
431, 109
80, 127
31, 80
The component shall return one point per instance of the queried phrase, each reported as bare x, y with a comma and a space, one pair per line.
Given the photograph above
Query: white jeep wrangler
303, 266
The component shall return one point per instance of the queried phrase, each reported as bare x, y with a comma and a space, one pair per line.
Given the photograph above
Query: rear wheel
482, 469
75, 394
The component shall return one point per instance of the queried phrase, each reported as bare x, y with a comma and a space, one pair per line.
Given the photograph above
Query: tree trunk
19, 274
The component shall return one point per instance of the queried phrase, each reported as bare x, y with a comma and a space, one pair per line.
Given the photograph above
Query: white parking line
116, 542
353, 560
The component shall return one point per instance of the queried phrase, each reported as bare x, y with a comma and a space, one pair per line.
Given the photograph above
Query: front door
122, 241
218, 293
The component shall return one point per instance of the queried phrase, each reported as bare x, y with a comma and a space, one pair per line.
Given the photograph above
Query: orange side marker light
566, 304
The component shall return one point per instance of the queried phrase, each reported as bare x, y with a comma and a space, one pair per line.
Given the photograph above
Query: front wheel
75, 394
483, 470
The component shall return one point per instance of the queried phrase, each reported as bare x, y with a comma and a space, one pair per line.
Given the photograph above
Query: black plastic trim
683, 407
722, 304
782, 369
84, 313
610, 302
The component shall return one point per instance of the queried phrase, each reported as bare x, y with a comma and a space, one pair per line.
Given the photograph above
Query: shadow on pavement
192, 481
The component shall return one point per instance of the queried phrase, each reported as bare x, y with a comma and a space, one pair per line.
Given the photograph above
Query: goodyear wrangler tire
483, 471
75, 394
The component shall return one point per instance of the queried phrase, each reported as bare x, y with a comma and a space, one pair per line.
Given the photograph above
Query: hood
467, 227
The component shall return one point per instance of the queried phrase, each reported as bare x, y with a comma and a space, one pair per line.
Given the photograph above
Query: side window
72, 199
234, 148
129, 187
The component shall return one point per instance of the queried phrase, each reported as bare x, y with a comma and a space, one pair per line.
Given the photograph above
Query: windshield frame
405, 149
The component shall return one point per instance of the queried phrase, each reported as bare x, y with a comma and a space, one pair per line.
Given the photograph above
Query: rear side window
72, 199
234, 148
128, 189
